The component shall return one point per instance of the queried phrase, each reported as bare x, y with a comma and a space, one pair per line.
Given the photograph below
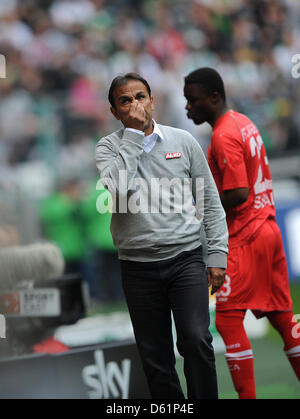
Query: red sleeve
229, 157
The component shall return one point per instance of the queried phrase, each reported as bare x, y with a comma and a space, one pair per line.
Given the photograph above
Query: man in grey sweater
162, 193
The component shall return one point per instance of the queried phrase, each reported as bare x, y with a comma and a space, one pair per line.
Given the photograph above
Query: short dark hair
209, 79
121, 80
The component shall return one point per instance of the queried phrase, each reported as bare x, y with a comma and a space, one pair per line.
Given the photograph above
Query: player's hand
215, 277
136, 117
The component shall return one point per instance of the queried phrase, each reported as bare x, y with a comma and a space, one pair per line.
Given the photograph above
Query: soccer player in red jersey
257, 276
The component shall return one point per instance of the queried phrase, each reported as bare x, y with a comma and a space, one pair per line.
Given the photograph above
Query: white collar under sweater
150, 140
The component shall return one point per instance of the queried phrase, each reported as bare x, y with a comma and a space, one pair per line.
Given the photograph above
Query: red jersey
237, 159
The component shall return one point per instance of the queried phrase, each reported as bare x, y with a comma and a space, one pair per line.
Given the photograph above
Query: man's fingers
136, 116
217, 277
208, 278
137, 110
217, 282
214, 289
133, 107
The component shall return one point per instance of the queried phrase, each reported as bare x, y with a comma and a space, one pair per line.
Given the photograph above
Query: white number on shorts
225, 290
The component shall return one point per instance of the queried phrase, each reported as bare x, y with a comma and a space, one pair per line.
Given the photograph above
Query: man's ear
215, 97
114, 112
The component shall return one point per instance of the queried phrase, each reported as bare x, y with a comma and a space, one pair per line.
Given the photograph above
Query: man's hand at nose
136, 116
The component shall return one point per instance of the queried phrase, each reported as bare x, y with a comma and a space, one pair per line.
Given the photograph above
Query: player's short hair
121, 80
209, 79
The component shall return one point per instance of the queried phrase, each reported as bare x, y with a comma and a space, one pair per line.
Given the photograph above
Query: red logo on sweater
173, 155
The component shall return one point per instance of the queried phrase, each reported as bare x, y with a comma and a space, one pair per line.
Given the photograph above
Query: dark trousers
155, 289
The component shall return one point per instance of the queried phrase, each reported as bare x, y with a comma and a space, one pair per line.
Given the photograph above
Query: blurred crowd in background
61, 56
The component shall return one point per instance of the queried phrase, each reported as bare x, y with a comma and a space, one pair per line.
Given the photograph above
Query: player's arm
208, 203
234, 197
229, 156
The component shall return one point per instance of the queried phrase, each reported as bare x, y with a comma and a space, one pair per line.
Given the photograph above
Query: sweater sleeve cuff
217, 260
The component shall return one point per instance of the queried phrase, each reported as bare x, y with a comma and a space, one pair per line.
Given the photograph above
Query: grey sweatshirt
161, 198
